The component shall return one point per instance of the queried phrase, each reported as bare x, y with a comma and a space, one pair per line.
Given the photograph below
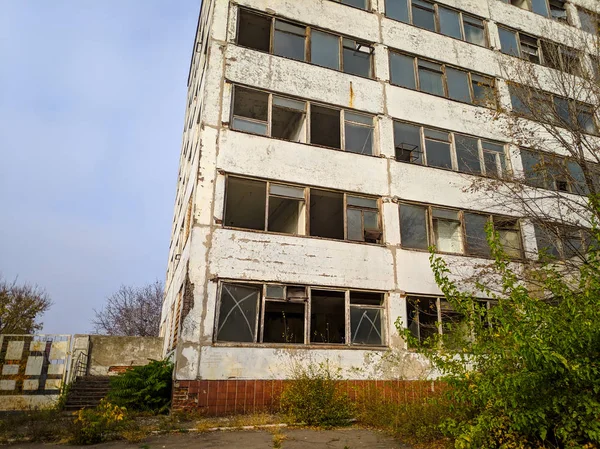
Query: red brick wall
229, 397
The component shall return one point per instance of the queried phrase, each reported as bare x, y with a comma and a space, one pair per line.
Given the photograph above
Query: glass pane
430, 81
562, 109
511, 242
438, 135
407, 141
249, 126
446, 214
577, 178
402, 70
362, 4
246, 202
534, 169
458, 85
289, 103
327, 317
325, 50
508, 42
284, 322
397, 10
288, 44
518, 98
588, 21
362, 202
237, 313
438, 154
251, 104
448, 235
423, 15
413, 226
325, 127
294, 192
286, 215
275, 291
547, 243
476, 238
371, 220
366, 326
449, 22
290, 28
467, 154
539, 7
355, 229
474, 30
491, 164
359, 139
357, 62
483, 90
586, 122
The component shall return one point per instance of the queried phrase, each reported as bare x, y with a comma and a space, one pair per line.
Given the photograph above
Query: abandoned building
327, 144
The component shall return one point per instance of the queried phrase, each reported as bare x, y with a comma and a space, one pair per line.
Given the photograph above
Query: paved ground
260, 439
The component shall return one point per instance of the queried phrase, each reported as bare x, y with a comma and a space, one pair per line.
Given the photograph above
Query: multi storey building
327, 144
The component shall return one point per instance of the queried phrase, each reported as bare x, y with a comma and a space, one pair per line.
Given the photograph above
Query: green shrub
312, 397
94, 425
531, 376
144, 388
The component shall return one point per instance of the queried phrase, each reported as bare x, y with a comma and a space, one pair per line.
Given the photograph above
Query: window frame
461, 218
307, 193
558, 241
529, 8
307, 42
453, 151
437, 23
417, 79
306, 137
366, 8
307, 301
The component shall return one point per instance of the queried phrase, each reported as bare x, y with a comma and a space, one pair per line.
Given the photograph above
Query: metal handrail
81, 364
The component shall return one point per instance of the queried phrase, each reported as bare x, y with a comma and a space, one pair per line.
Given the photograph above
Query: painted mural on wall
33, 364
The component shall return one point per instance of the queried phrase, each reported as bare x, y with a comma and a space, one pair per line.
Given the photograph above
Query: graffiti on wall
33, 364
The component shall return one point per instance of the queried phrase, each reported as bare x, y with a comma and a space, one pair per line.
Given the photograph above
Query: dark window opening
284, 322
422, 318
250, 111
407, 142
327, 317
325, 127
288, 119
254, 31
246, 201
326, 214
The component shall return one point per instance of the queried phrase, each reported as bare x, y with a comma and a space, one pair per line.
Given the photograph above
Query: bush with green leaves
144, 388
528, 375
313, 396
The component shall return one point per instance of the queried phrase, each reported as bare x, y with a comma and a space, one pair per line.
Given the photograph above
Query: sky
92, 104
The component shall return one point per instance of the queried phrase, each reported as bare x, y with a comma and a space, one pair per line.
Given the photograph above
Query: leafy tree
21, 306
131, 311
528, 375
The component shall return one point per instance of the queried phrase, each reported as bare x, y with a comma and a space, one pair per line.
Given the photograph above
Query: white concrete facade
207, 253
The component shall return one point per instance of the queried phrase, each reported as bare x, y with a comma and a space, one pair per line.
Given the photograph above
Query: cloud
91, 115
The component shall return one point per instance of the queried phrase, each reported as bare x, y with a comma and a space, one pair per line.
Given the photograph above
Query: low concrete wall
108, 351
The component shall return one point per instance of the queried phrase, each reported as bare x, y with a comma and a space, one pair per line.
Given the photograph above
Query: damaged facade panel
338, 140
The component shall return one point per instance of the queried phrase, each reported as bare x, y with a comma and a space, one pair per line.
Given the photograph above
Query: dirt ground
351, 438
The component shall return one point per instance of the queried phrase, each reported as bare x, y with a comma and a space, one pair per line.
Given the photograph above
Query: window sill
258, 231
310, 346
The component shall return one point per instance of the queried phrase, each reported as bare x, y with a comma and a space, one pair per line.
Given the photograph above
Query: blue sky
92, 101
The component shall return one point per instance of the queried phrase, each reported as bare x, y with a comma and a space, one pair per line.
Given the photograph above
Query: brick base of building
231, 397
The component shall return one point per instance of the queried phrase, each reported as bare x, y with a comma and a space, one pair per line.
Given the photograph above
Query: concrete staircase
86, 392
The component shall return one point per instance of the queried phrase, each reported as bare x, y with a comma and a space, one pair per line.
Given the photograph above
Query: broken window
509, 236
430, 78
284, 316
366, 318
325, 126
362, 218
558, 10
327, 317
475, 236
288, 119
357, 58
407, 142
529, 48
238, 313
454, 326
494, 158
474, 30
289, 40
413, 226
358, 130
483, 91
447, 230
286, 209
325, 50
467, 154
422, 318
251, 111
437, 149
245, 204
326, 214
254, 31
